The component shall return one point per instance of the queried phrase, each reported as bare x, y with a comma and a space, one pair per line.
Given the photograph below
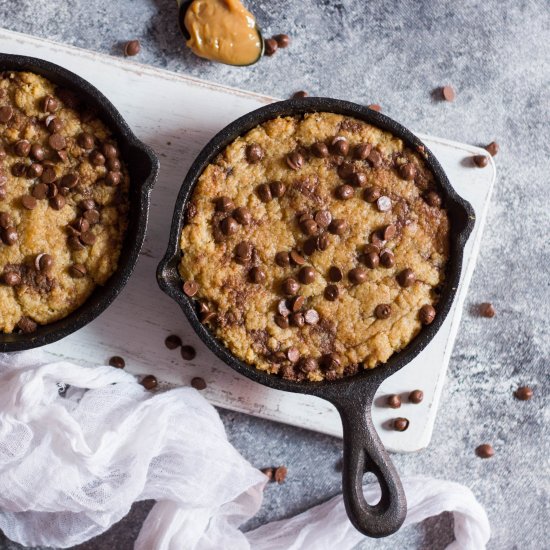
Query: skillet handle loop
364, 452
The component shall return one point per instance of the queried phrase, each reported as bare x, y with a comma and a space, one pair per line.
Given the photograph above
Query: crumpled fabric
71, 466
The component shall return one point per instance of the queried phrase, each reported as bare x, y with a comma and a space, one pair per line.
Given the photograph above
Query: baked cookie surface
63, 202
315, 246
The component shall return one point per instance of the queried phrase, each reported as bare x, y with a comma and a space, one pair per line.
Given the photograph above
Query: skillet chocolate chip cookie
63, 202
315, 246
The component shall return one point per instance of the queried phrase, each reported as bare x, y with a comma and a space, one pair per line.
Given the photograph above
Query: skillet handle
364, 452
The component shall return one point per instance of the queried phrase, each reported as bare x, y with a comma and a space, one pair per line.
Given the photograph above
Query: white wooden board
177, 115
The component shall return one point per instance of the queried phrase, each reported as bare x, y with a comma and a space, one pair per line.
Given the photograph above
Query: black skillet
143, 168
353, 396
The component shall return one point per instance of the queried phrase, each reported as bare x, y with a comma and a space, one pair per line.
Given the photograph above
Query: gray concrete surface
495, 53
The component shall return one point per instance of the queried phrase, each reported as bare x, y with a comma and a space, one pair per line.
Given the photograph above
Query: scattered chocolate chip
19, 169
86, 140
149, 382
229, 226
87, 204
309, 227
53, 124
257, 275
299, 95
117, 362
43, 262
306, 275
375, 107
48, 175
389, 232
323, 218
492, 148
22, 148
190, 288
308, 364
50, 104
37, 152
297, 319
382, 311
198, 383
290, 286
57, 142
254, 153
188, 353
58, 202
26, 325
297, 258
331, 293
357, 275
433, 199
113, 165
224, 204
311, 317
283, 40
330, 362
416, 396
320, 150
394, 401
243, 252
387, 258
6, 114
344, 192
523, 393
9, 236
406, 278
400, 424
362, 151
480, 160
371, 194
28, 202
70, 180
487, 310
448, 93
173, 341
92, 216
270, 46
335, 274
96, 158
131, 48
338, 226
264, 192
295, 160
282, 259
74, 243
280, 474
407, 171
370, 259
78, 271
384, 204
35, 170
278, 188
268, 472
293, 354
282, 308
375, 158
322, 241
340, 146
346, 170
281, 321
485, 451
426, 314
11, 278
113, 178
242, 215
358, 179
109, 150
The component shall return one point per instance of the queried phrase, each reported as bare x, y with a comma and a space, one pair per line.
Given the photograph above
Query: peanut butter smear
223, 31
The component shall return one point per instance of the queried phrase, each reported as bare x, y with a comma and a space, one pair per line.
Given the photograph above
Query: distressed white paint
177, 115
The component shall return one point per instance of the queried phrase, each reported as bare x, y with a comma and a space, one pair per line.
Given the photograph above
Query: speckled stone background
496, 55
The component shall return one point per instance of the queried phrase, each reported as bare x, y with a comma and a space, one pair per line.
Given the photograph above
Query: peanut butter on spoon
221, 30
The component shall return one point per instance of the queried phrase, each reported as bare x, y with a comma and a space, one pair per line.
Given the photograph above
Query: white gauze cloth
70, 467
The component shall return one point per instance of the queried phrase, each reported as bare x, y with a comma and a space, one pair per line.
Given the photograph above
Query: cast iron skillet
143, 168
353, 396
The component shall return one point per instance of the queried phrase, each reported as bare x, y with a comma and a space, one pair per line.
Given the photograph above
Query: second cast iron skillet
352, 396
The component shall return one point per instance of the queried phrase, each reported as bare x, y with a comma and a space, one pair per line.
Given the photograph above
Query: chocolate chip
270, 46
382, 311
19, 169
362, 151
190, 288
282, 259
400, 424
113, 178
492, 148
338, 227
426, 314
485, 451
114, 165
320, 150
257, 275
87, 204
299, 95
70, 180
310, 246
132, 47
407, 171
78, 271
37, 152
293, 354
433, 199
487, 310
149, 382
306, 275
323, 218
229, 226
278, 188
297, 258
295, 160
281, 322
297, 319
282, 308
340, 145
374, 107
268, 472
346, 170
359, 179
172, 342
11, 278
58, 202
480, 160
50, 104
48, 175
448, 93
57, 142
335, 274
331, 293
322, 241
387, 258
74, 243
243, 252
309, 227
86, 140
91, 216
370, 259
297, 303
109, 150
308, 364
198, 383
53, 124
394, 401
375, 158
389, 232
224, 204
311, 317
416, 396
188, 353
81, 225
28, 202
254, 153
371, 194
43, 262
6, 113
96, 158
242, 215
26, 325
280, 474
22, 148
523, 393
330, 362
9, 236
34, 170
344, 192
406, 278
264, 192
117, 362
357, 275
290, 286
283, 40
